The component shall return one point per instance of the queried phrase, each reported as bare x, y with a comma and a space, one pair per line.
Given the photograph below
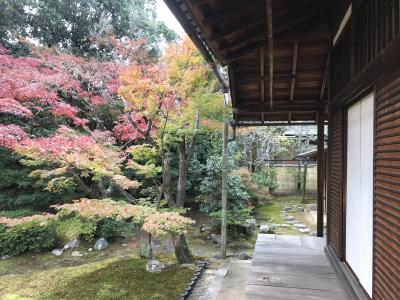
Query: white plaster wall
359, 210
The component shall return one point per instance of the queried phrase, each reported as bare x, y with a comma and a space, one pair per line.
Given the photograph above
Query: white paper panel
359, 200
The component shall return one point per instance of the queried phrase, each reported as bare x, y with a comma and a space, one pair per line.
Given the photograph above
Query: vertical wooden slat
386, 191
335, 204
320, 176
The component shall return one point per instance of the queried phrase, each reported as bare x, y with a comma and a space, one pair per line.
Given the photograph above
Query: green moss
270, 212
109, 279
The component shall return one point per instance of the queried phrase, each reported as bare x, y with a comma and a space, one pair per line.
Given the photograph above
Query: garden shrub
112, 230
210, 188
31, 236
268, 177
17, 213
74, 227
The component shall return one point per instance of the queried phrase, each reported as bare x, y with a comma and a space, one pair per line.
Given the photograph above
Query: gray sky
164, 14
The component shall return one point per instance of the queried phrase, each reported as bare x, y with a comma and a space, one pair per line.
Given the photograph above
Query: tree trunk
182, 251
166, 176
181, 191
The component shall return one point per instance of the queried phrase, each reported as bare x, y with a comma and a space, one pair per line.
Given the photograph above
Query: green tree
79, 25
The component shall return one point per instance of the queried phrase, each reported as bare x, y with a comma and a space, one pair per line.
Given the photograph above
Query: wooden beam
289, 117
270, 52
234, 10
262, 82
324, 80
294, 68
264, 107
312, 34
320, 176
255, 22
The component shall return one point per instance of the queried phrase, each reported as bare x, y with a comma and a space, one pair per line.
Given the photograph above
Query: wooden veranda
293, 267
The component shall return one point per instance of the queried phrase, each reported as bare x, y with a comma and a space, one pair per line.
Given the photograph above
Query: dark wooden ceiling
276, 52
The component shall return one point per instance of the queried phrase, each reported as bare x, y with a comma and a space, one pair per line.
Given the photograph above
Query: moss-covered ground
112, 278
270, 212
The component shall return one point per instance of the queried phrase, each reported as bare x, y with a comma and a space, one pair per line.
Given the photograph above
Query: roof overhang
276, 52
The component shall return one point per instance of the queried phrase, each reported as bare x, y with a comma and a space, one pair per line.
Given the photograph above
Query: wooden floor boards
292, 267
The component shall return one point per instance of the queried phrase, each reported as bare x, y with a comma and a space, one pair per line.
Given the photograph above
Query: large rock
242, 256
57, 252
101, 244
72, 244
154, 266
249, 225
5, 257
216, 238
205, 227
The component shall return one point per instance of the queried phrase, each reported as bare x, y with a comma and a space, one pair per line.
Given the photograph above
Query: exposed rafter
294, 69
270, 52
324, 80
233, 11
247, 23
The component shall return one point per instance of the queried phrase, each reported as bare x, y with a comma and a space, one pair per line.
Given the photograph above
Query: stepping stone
290, 218
300, 226
305, 230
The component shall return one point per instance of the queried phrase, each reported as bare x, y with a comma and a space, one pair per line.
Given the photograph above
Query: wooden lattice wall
387, 192
335, 203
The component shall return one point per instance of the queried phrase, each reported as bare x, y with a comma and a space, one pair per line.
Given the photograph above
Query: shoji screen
359, 194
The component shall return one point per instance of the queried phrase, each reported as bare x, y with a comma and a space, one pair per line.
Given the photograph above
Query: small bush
112, 230
75, 227
20, 213
32, 236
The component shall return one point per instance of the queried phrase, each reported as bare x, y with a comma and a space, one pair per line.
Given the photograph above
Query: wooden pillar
224, 200
320, 177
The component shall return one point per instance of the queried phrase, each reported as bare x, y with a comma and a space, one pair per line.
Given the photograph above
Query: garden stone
204, 227
285, 225
90, 249
101, 244
57, 252
170, 246
76, 253
301, 226
216, 238
290, 218
242, 256
249, 225
311, 206
305, 230
72, 244
156, 244
300, 208
267, 228
290, 222
154, 266
5, 257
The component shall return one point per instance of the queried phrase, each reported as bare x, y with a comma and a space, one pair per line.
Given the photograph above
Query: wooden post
320, 177
305, 180
224, 200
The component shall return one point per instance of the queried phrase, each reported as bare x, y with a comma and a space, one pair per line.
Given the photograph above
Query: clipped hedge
28, 237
